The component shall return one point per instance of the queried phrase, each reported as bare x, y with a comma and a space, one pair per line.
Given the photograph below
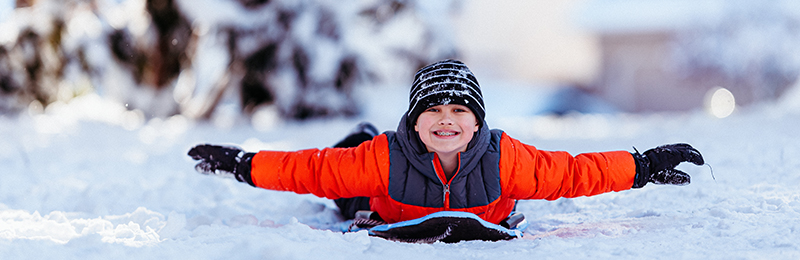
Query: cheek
470, 122
423, 122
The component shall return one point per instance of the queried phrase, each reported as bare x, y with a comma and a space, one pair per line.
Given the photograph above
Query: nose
446, 119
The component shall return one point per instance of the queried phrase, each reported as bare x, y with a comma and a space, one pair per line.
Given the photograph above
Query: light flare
720, 102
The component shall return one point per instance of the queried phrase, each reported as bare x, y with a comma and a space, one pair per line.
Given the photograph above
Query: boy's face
446, 129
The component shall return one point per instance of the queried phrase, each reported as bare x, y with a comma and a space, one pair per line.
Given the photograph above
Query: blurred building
670, 55
636, 42
638, 55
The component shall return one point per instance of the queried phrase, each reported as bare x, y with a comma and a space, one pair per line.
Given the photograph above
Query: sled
445, 226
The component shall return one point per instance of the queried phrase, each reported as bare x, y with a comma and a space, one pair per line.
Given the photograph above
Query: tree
185, 56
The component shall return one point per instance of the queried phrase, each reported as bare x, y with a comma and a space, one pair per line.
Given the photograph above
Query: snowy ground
87, 180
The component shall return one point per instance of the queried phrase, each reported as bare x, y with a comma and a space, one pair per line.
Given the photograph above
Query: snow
89, 179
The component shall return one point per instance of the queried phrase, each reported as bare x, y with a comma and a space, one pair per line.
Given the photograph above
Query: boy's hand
225, 161
657, 165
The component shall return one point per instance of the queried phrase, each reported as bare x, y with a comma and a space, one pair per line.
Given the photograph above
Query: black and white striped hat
441, 83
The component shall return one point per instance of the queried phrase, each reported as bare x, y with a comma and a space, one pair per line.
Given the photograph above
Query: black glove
657, 165
225, 161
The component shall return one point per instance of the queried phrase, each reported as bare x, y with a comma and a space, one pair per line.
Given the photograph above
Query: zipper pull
446, 191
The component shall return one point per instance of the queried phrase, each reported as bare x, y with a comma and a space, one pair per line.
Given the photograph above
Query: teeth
445, 133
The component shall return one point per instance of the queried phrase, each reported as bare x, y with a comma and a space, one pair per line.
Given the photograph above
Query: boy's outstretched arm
360, 171
529, 173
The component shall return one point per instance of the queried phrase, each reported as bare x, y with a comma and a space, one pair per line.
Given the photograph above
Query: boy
443, 157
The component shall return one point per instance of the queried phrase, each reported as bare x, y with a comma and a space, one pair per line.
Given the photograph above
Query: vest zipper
446, 183
446, 195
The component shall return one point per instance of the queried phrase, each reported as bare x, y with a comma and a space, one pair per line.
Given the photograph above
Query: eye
461, 109
432, 110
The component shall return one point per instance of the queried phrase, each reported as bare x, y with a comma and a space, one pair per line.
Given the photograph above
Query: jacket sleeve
331, 172
529, 173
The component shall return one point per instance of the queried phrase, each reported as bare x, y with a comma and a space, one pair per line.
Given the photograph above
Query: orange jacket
364, 171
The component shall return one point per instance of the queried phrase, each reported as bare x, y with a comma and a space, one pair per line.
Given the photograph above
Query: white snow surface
90, 180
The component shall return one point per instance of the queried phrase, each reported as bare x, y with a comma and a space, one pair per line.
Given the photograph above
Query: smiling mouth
445, 133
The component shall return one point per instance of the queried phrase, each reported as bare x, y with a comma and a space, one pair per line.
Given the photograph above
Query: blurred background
303, 59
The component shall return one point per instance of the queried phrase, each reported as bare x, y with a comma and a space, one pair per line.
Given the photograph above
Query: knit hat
442, 83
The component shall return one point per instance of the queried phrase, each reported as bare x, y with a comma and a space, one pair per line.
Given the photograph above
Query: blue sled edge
453, 214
